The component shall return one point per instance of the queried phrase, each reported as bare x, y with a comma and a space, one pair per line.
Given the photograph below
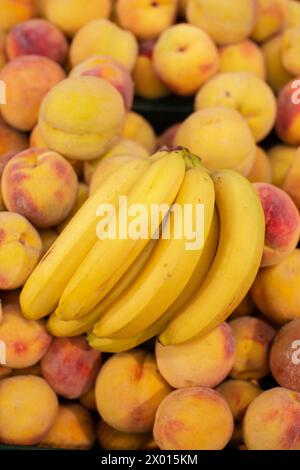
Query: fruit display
150, 225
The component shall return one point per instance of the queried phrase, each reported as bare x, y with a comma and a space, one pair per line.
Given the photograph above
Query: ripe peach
88, 399
20, 250
109, 69
290, 50
82, 117
239, 394
292, 178
271, 19
129, 390
183, 365
246, 93
38, 37
15, 11
198, 134
138, 129
293, 14
3, 57
261, 170
36, 140
276, 290
282, 223
284, 358
48, 237
225, 23
73, 429
70, 16
272, 421
26, 341
146, 20
166, 139
281, 158
277, 75
24, 190
184, 58
253, 341
105, 38
111, 439
11, 142
70, 366
28, 410
193, 419
81, 197
147, 83
244, 56
288, 114
28, 79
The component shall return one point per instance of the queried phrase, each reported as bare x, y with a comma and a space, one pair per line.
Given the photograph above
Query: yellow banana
44, 287
170, 266
236, 263
119, 345
70, 328
109, 259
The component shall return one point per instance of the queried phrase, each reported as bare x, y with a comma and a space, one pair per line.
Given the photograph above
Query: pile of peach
69, 72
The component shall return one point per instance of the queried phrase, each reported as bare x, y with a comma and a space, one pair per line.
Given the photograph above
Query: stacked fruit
178, 376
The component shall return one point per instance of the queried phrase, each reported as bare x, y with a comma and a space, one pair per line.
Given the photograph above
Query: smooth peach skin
48, 237
276, 290
28, 410
292, 179
281, 158
147, 82
20, 250
239, 394
24, 190
271, 19
26, 341
284, 357
138, 129
290, 50
37, 36
193, 419
82, 118
81, 197
277, 75
109, 69
146, 20
36, 139
110, 439
282, 223
73, 429
293, 13
272, 421
288, 113
182, 365
15, 11
261, 171
198, 134
11, 142
105, 38
224, 22
28, 80
184, 58
88, 400
253, 341
3, 57
246, 93
70, 17
129, 390
70, 366
244, 56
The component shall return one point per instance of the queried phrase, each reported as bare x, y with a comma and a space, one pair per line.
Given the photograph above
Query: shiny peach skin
28, 79
181, 365
261, 171
15, 11
28, 410
244, 56
193, 419
73, 429
253, 341
277, 75
271, 19
37, 36
110, 439
282, 223
239, 394
272, 421
26, 341
129, 390
138, 129
23, 180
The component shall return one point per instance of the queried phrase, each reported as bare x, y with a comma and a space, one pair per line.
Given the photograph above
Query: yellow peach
138, 129
271, 18
244, 56
292, 179
277, 75
110, 439
15, 11
281, 158
290, 50
88, 399
239, 394
261, 171
293, 13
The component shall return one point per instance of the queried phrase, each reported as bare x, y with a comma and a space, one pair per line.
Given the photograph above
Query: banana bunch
126, 290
